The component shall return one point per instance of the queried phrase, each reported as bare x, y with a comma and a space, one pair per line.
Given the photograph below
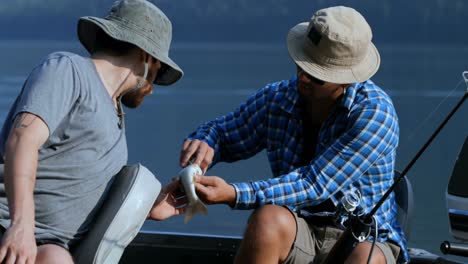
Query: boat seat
129, 200
405, 202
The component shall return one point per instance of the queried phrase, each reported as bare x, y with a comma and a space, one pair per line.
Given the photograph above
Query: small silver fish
195, 205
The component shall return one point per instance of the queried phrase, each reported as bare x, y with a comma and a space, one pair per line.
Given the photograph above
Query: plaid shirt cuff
245, 196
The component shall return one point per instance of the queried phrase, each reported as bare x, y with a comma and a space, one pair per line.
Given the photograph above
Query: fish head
188, 174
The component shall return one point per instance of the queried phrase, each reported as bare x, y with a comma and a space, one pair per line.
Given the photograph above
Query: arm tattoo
21, 122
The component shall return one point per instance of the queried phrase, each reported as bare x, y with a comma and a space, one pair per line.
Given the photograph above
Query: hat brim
89, 26
359, 72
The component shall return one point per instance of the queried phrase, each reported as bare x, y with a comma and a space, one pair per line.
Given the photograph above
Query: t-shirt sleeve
50, 91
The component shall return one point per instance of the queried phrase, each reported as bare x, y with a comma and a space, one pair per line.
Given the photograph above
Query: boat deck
174, 248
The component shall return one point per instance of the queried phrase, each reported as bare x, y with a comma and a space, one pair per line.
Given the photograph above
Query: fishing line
373, 242
431, 114
419, 153
465, 77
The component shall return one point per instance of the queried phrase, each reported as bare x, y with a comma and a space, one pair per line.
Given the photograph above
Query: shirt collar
349, 95
290, 98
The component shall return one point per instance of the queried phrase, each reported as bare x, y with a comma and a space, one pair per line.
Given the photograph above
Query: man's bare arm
27, 135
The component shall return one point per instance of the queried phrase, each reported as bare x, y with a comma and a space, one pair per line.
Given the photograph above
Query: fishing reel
348, 216
346, 208
357, 227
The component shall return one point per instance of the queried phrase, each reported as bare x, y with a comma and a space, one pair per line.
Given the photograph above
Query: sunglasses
164, 68
309, 77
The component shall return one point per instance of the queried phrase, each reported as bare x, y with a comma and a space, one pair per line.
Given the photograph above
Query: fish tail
201, 208
188, 214
198, 207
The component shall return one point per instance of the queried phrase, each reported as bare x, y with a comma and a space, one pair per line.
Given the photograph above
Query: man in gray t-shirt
64, 137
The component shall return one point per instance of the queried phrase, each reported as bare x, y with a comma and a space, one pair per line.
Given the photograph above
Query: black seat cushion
404, 201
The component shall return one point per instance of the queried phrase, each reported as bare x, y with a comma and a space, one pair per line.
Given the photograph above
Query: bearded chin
132, 100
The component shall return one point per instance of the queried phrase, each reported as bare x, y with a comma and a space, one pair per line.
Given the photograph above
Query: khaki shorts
313, 243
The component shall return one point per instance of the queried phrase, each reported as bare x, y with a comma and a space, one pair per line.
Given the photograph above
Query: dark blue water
218, 77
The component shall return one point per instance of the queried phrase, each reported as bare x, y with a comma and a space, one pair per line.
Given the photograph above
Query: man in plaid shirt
327, 132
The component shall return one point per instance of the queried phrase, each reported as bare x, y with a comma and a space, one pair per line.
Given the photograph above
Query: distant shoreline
229, 45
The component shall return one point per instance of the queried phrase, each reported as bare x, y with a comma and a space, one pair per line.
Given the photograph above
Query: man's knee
271, 231
50, 253
361, 253
273, 220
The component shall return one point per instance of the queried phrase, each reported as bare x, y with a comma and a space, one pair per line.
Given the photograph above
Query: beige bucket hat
137, 22
336, 46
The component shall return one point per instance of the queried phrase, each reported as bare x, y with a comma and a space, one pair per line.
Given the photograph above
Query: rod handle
454, 249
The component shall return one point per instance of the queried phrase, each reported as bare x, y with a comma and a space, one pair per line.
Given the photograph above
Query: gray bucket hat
137, 22
336, 46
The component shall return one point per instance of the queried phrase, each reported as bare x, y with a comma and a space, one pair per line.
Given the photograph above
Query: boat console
457, 206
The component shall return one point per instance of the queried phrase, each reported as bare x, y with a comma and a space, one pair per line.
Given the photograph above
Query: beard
135, 97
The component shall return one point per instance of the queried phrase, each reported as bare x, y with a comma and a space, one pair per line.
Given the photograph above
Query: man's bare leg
53, 254
269, 236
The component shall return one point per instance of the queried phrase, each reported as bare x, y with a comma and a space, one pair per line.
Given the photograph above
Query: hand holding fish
169, 202
187, 178
215, 190
198, 152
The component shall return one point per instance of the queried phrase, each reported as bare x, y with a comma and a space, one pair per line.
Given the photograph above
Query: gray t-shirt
84, 150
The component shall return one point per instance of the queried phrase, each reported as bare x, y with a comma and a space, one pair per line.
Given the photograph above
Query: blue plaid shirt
355, 151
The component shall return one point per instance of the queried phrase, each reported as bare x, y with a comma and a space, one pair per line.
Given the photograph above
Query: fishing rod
416, 157
360, 224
